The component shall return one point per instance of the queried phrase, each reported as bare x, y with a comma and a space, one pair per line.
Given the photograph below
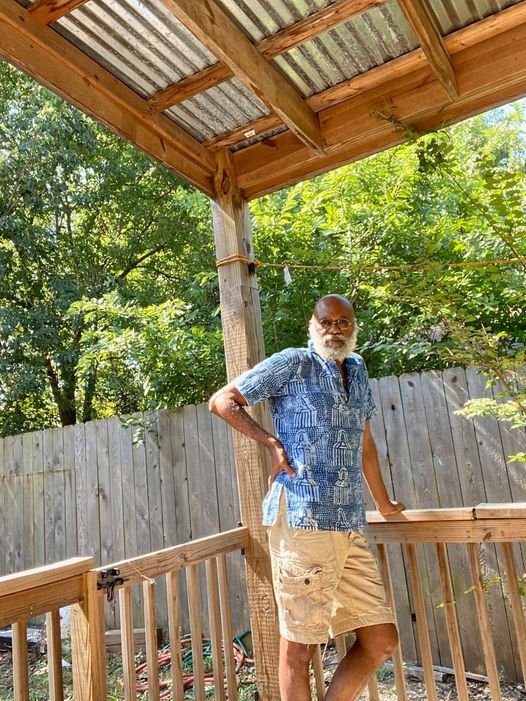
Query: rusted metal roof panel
366, 41
455, 14
218, 110
138, 41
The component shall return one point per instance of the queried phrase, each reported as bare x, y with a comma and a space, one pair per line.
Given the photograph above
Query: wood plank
54, 656
48, 11
226, 627
484, 624
115, 505
3, 497
55, 62
373, 689
483, 530
420, 16
70, 498
49, 489
87, 644
500, 510
215, 30
174, 628
81, 483
452, 623
47, 575
244, 346
9, 507
129, 676
150, 625
127, 486
341, 647
18, 503
295, 34
426, 655
140, 479
214, 617
398, 662
57, 457
194, 607
166, 477
398, 565
39, 600
319, 679
104, 492
37, 472
20, 664
516, 605
93, 535
182, 495
28, 521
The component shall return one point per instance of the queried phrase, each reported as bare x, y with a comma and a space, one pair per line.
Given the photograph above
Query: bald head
333, 306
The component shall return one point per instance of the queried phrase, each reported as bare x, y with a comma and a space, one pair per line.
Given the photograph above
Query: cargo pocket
306, 594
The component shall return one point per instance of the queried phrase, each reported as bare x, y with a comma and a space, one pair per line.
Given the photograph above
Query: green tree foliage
108, 288
452, 196
101, 260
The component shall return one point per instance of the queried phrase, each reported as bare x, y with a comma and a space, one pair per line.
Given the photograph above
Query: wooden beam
215, 30
48, 11
329, 17
244, 346
490, 64
425, 26
52, 60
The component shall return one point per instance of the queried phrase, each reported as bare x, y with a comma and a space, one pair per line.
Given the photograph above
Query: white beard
328, 353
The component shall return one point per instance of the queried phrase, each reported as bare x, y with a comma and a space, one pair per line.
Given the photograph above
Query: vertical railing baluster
174, 628
319, 678
214, 615
398, 662
127, 644
516, 607
421, 622
20, 666
194, 609
452, 622
485, 629
54, 656
226, 625
150, 628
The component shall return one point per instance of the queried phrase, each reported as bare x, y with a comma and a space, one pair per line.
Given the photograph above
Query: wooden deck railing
158, 576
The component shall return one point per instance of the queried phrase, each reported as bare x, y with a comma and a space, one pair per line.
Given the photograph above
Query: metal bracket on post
108, 580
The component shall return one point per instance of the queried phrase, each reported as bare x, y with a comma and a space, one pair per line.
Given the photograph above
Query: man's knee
379, 641
295, 655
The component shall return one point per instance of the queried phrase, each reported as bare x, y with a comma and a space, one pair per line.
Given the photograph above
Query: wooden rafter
55, 62
215, 30
413, 100
425, 26
47, 11
329, 17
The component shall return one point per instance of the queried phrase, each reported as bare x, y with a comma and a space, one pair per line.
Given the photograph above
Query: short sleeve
268, 378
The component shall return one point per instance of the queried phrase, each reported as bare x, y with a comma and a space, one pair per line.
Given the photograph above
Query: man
325, 579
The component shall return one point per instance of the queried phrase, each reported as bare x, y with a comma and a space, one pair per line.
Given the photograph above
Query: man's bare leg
294, 680
373, 645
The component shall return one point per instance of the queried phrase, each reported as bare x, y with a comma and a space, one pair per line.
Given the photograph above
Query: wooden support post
243, 337
88, 645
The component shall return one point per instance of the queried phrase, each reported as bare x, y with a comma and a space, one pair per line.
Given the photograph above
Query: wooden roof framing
445, 79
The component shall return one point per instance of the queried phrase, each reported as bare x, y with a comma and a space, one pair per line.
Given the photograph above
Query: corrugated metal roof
218, 110
455, 14
139, 41
364, 42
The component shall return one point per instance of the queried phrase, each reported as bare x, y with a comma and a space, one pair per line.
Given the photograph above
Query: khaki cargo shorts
326, 583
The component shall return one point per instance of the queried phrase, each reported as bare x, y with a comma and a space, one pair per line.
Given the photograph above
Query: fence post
88, 644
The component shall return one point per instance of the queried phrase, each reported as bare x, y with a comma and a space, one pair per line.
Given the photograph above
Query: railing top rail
157, 563
470, 513
44, 576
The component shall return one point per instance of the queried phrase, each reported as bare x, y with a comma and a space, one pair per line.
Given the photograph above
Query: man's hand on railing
391, 507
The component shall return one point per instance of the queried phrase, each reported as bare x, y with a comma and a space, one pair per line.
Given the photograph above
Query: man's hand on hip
280, 462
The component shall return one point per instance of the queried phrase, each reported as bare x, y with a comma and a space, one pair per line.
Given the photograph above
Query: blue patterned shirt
320, 424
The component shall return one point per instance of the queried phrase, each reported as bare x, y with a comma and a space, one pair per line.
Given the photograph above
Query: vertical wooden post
243, 337
88, 645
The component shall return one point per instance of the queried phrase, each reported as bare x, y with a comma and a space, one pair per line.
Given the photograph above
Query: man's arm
373, 476
229, 404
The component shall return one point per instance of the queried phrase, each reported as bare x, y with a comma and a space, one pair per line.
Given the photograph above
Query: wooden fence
92, 490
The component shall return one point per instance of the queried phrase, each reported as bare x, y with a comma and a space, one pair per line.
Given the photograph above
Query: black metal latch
108, 580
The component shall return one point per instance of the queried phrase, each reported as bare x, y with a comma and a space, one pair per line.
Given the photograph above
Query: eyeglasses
343, 324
